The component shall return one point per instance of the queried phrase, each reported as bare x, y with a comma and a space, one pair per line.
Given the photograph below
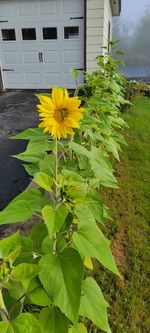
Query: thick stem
56, 189
3, 311
56, 169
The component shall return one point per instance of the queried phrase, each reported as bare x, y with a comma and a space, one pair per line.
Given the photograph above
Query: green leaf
93, 202
9, 244
93, 305
37, 234
18, 289
35, 151
25, 323
47, 165
26, 254
74, 73
16, 212
24, 272
54, 219
80, 329
90, 241
14, 254
5, 327
48, 214
31, 168
101, 169
99, 164
39, 297
53, 321
61, 275
43, 180
33, 197
31, 134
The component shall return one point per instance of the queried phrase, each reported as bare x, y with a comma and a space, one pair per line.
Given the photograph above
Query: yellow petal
46, 100
58, 97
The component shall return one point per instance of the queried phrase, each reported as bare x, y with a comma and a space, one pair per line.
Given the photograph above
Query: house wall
107, 21
99, 15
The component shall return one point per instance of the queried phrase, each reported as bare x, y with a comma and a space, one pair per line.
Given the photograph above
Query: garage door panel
27, 8
71, 57
6, 9
51, 57
30, 57
13, 79
52, 79
11, 58
46, 44
73, 7
48, 7
33, 79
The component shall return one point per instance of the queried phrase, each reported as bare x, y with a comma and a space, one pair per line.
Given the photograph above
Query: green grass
130, 229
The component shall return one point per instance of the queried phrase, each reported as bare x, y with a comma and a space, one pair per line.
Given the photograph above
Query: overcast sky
132, 10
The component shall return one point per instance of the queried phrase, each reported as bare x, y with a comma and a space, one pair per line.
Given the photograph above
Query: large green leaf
61, 275
53, 321
47, 165
6, 327
26, 254
23, 206
93, 305
9, 244
16, 212
31, 134
93, 202
37, 234
54, 219
36, 150
99, 164
25, 323
80, 329
90, 241
32, 195
43, 180
39, 297
24, 272
48, 214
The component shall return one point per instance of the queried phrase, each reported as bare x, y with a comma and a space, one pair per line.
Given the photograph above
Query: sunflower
59, 114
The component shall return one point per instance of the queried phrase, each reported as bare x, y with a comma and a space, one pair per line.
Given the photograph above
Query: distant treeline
134, 41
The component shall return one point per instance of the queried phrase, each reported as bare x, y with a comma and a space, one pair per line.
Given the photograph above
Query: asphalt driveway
17, 112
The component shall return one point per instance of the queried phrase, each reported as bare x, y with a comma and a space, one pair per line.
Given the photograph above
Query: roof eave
116, 7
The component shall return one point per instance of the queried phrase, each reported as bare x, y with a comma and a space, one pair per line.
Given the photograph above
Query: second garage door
40, 41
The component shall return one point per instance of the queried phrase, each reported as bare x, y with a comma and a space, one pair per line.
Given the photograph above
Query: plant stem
3, 311
56, 189
56, 168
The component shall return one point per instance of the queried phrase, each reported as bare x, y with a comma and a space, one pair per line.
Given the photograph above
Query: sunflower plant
47, 279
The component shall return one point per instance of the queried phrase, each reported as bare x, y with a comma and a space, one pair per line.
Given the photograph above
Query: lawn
130, 209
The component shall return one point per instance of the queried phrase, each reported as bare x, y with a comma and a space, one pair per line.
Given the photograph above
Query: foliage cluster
136, 89
46, 280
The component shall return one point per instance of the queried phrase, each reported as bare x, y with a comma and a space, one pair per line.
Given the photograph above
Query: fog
132, 28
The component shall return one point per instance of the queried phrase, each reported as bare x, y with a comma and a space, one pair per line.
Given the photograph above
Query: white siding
107, 21
98, 17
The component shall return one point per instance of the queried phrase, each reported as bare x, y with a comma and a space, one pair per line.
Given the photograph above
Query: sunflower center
60, 115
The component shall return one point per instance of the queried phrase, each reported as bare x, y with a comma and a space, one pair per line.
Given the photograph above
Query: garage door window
71, 32
8, 34
29, 34
49, 33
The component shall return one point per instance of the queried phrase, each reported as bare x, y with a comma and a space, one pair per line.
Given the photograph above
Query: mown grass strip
130, 210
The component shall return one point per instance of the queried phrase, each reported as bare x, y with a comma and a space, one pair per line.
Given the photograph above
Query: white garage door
40, 40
